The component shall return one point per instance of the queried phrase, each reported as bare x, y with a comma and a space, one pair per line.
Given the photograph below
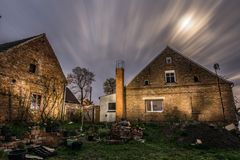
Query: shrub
103, 132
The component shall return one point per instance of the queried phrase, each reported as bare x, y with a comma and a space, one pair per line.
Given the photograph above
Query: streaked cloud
95, 33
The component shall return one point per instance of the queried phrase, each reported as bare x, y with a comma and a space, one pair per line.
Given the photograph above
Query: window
154, 105
170, 76
36, 102
111, 107
196, 79
32, 68
146, 82
168, 60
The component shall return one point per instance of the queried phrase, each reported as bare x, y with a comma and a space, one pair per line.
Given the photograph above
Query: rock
141, 140
49, 149
29, 156
230, 127
198, 141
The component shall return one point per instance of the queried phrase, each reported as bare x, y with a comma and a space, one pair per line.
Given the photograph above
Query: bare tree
52, 96
80, 81
109, 86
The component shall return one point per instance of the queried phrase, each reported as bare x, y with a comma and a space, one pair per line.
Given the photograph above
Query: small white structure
108, 108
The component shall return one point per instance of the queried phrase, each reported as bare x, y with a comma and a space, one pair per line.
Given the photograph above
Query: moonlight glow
186, 23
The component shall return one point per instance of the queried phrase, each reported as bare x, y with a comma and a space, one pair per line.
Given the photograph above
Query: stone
230, 127
198, 141
29, 156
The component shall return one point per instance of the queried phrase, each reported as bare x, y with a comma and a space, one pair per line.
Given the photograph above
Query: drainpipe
63, 105
216, 67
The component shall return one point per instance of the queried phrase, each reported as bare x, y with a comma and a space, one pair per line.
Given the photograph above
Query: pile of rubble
34, 137
33, 140
208, 135
123, 130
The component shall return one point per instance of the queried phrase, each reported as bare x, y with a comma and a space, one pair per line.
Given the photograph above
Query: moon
186, 23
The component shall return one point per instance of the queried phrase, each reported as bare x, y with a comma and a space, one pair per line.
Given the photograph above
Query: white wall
106, 116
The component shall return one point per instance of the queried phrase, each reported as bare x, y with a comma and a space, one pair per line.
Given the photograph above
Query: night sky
95, 33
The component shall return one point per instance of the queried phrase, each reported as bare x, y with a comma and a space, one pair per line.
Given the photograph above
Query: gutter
63, 105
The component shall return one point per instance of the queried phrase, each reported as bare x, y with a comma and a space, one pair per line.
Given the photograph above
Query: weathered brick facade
29, 74
194, 95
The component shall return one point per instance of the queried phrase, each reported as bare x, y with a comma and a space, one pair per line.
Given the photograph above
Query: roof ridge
9, 45
178, 52
150, 61
199, 65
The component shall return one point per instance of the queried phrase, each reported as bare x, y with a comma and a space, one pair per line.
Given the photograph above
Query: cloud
95, 33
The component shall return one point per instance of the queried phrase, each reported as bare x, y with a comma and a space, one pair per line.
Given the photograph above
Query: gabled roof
70, 97
204, 68
175, 51
8, 45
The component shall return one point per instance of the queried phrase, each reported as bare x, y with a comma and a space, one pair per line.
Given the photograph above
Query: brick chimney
120, 105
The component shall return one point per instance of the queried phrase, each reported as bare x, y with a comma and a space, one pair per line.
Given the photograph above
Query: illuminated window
154, 105
36, 102
170, 76
111, 107
168, 60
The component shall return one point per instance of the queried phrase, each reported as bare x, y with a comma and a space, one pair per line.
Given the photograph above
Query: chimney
120, 110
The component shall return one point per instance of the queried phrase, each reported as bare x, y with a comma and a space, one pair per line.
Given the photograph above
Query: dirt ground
209, 135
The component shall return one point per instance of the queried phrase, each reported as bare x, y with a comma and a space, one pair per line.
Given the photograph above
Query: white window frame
37, 97
151, 101
109, 109
170, 71
169, 60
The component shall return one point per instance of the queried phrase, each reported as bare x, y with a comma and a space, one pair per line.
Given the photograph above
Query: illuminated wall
193, 95
19, 82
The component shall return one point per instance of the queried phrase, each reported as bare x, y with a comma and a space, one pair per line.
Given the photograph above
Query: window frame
37, 99
168, 72
110, 110
169, 60
151, 101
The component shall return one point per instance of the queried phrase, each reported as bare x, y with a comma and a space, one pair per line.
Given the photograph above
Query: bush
53, 126
103, 132
14, 129
3, 155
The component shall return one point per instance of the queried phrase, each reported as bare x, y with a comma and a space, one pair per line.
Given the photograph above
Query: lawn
156, 146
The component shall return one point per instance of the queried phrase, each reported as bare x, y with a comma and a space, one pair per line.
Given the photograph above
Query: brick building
72, 105
32, 82
174, 87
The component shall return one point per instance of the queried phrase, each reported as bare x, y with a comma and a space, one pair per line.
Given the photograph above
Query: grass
156, 147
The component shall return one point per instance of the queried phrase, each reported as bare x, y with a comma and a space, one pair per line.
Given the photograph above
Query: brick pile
124, 131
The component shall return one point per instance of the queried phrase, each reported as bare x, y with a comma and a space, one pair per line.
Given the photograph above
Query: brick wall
182, 98
48, 80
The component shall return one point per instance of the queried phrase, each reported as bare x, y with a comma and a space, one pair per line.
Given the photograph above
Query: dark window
111, 106
168, 60
170, 77
36, 102
154, 105
196, 79
146, 82
32, 68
